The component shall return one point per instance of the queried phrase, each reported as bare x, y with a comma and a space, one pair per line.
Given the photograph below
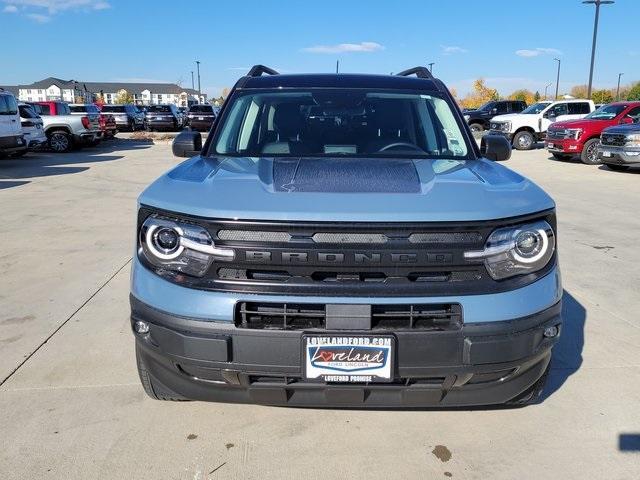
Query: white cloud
38, 17
42, 10
345, 48
536, 52
451, 49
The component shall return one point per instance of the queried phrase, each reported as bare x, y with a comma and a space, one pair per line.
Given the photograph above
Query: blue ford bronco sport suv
341, 240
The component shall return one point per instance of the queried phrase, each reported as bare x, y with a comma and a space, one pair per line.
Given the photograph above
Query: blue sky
507, 42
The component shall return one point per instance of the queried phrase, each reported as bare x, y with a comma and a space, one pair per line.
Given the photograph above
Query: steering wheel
399, 145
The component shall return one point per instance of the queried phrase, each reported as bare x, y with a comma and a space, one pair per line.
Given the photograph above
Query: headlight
178, 246
574, 133
501, 126
466, 118
517, 250
633, 140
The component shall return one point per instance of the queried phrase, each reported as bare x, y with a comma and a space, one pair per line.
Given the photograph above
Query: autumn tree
602, 96
536, 96
123, 97
579, 91
523, 95
481, 94
634, 92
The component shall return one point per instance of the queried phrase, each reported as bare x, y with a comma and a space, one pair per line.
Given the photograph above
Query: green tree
602, 96
634, 93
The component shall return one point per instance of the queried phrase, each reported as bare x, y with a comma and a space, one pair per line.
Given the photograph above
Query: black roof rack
420, 72
258, 70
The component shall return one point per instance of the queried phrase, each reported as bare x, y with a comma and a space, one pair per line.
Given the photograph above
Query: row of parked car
609, 134
61, 126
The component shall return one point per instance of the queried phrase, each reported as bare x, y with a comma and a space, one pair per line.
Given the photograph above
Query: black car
163, 117
201, 117
480, 119
127, 116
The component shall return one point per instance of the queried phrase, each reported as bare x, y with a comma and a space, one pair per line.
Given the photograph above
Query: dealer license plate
348, 359
550, 145
606, 154
200, 118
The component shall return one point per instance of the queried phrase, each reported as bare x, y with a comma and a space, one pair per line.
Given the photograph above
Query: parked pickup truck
480, 119
620, 146
342, 240
529, 126
65, 130
581, 137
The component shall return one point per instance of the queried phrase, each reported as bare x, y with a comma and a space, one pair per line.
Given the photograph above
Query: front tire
476, 128
589, 153
617, 168
523, 140
60, 142
153, 387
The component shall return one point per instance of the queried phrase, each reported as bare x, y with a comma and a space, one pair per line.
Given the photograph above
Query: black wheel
153, 387
60, 141
617, 168
476, 127
523, 140
561, 156
532, 394
589, 153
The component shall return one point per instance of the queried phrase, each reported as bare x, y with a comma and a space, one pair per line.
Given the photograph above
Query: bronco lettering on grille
374, 258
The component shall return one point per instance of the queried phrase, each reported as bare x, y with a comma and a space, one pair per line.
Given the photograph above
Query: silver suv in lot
128, 117
12, 142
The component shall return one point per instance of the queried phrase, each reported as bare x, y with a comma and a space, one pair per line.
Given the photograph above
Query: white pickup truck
530, 125
65, 130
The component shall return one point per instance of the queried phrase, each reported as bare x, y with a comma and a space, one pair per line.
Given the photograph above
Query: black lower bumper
481, 364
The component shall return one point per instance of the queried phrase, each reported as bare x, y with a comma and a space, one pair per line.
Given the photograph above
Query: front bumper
483, 363
12, 144
568, 146
618, 155
169, 124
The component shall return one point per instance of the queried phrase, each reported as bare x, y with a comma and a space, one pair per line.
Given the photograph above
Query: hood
579, 123
624, 129
345, 189
507, 117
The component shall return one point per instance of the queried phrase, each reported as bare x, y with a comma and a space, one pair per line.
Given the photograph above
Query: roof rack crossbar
420, 72
259, 70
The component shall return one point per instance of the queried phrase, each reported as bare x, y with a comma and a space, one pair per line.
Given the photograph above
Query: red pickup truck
581, 137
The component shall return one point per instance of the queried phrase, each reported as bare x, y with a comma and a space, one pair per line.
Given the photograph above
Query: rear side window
8, 105
44, 109
579, 108
78, 108
517, 107
62, 109
501, 107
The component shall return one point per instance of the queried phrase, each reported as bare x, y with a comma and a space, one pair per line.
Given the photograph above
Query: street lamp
557, 77
597, 3
193, 87
545, 89
199, 91
618, 91
431, 67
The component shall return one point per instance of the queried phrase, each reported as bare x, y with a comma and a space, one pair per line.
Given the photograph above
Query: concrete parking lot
72, 406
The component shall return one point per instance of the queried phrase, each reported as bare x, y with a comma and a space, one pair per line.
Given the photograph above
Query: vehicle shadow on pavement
567, 354
13, 172
632, 170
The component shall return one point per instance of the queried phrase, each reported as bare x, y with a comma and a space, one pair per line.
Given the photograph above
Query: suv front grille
613, 139
284, 316
351, 259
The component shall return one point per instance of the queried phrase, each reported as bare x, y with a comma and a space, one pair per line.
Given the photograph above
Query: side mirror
626, 120
187, 144
495, 147
494, 111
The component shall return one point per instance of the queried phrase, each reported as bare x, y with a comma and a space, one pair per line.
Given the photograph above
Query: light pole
431, 67
545, 89
557, 77
618, 91
597, 3
193, 87
199, 92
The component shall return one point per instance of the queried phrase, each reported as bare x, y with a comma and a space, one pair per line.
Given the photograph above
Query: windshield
114, 108
536, 108
330, 122
606, 112
487, 106
159, 108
